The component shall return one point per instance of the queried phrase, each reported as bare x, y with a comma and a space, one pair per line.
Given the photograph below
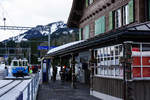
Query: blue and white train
20, 68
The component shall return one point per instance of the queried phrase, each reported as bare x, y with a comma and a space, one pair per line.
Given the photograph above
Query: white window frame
141, 53
126, 14
106, 61
118, 18
91, 1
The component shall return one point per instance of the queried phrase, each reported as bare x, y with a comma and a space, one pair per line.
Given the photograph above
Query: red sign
146, 72
137, 61
136, 72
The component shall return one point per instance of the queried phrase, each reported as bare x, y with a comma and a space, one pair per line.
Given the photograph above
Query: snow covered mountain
55, 29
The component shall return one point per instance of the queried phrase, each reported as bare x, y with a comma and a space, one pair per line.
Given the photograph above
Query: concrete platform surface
58, 91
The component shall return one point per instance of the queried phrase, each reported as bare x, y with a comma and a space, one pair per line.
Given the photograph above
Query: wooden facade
87, 15
90, 14
108, 31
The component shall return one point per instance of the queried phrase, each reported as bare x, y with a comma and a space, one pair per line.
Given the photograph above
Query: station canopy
63, 46
135, 33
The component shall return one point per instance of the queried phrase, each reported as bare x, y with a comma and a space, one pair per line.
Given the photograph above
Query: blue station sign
45, 47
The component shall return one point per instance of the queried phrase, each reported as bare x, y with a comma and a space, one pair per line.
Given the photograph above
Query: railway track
6, 84
9, 86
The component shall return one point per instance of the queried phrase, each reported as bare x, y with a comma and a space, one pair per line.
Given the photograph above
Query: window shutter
97, 26
86, 32
110, 20
103, 24
87, 3
100, 25
80, 34
131, 14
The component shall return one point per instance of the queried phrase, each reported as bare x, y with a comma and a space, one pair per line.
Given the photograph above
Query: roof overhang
135, 33
75, 14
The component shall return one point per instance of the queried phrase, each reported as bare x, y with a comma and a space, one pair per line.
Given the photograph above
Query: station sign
45, 47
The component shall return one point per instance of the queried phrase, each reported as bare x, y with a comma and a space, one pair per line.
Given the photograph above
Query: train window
25, 63
20, 63
15, 63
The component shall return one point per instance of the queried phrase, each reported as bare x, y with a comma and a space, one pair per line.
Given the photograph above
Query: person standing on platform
54, 73
6, 71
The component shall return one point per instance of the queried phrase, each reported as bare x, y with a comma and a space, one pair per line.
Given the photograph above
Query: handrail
30, 91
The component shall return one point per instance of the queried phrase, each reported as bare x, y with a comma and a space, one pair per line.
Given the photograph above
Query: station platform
58, 91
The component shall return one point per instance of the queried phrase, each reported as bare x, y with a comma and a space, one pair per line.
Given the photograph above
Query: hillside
38, 36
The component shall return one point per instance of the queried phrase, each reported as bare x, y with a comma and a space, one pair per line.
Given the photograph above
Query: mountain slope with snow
55, 29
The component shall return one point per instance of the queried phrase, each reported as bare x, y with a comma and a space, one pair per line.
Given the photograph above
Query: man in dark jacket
54, 73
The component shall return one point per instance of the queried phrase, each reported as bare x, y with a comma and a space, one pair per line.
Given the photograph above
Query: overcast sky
32, 12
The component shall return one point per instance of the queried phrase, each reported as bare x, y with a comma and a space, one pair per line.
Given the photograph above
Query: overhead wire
4, 14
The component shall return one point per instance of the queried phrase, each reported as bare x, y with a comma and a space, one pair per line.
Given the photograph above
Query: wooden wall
140, 89
109, 86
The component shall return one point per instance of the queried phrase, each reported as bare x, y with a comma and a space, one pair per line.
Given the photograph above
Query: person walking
6, 71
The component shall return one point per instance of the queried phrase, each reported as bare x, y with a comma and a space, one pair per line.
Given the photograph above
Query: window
15, 63
100, 25
91, 1
86, 32
88, 2
25, 63
122, 16
108, 61
20, 63
140, 60
118, 18
126, 15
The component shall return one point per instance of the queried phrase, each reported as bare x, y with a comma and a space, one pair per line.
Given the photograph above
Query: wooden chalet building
114, 47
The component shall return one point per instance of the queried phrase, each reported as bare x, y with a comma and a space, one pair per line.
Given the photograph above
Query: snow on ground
3, 82
14, 93
2, 71
6, 88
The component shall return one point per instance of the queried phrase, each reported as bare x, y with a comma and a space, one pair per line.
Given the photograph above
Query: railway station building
113, 51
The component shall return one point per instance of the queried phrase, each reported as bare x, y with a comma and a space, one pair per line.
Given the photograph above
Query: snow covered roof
63, 46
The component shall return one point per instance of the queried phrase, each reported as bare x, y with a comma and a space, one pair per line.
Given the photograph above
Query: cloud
34, 12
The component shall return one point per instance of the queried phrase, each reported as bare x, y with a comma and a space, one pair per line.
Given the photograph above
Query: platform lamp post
4, 19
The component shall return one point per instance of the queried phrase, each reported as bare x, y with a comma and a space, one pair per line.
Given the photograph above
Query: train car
20, 68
